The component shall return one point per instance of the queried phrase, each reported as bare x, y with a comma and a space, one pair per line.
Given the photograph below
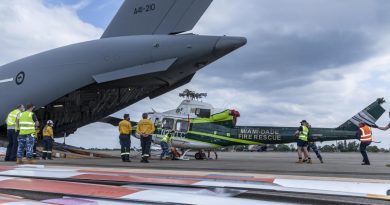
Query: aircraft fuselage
42, 78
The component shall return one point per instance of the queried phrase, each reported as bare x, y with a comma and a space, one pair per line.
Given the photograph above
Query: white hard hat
50, 122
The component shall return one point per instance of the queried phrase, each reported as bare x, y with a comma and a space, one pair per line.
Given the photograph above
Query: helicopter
197, 125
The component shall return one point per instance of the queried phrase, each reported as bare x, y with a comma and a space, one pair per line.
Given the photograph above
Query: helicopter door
167, 123
182, 126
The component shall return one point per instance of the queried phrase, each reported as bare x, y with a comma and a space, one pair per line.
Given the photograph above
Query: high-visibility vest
366, 134
303, 135
167, 139
11, 119
26, 123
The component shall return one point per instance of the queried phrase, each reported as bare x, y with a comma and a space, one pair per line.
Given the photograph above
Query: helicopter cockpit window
182, 126
167, 123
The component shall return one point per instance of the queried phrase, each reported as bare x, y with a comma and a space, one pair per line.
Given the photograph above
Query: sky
318, 60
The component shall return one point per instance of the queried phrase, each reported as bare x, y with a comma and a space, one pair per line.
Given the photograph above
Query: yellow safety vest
11, 119
166, 139
26, 123
366, 134
303, 135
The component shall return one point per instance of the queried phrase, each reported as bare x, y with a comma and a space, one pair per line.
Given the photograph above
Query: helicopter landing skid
183, 156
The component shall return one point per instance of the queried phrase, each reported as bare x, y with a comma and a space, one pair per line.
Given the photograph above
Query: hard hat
50, 122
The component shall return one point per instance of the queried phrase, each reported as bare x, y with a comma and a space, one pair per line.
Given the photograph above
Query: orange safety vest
366, 134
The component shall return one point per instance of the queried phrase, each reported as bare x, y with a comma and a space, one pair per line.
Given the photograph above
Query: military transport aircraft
142, 53
198, 125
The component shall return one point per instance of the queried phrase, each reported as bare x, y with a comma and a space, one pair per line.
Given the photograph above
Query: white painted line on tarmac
7, 80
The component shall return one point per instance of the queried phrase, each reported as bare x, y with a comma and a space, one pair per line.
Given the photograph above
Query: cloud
28, 27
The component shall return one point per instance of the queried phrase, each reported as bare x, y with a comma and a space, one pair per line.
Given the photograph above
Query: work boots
19, 161
30, 161
44, 155
309, 161
127, 158
299, 161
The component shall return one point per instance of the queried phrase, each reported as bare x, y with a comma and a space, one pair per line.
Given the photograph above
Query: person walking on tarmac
27, 123
12, 133
365, 135
125, 137
145, 129
48, 138
302, 142
313, 146
166, 143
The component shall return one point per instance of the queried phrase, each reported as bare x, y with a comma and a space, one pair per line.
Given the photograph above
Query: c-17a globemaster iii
142, 53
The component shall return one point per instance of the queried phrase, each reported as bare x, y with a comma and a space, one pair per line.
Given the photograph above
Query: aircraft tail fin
147, 17
369, 115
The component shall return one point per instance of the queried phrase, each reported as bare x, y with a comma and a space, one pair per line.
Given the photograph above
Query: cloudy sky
319, 60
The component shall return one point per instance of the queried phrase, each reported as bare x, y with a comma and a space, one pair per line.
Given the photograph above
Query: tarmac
344, 165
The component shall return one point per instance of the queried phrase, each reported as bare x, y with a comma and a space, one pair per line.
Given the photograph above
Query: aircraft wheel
198, 156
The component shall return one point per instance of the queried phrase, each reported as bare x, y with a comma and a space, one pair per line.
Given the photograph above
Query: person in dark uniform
313, 146
48, 139
125, 137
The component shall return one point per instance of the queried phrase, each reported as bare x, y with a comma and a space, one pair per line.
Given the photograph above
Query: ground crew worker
365, 135
27, 123
145, 129
313, 146
125, 137
12, 133
48, 139
302, 142
166, 143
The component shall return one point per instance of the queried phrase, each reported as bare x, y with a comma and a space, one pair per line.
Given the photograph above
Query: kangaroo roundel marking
20, 78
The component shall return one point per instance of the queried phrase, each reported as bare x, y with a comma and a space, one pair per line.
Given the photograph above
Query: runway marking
67, 187
7, 80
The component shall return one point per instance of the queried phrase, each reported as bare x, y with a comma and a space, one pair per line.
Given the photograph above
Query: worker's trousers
125, 143
165, 149
363, 147
12, 147
145, 144
313, 146
35, 148
47, 147
25, 142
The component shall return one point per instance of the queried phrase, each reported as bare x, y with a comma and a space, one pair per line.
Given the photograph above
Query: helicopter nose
228, 44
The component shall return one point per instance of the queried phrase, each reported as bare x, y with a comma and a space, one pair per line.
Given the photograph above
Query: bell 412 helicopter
198, 125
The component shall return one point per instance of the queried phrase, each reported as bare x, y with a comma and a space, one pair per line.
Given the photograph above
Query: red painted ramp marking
6, 168
133, 179
238, 178
67, 187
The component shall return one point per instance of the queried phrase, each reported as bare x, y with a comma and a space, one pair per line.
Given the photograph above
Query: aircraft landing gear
200, 155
